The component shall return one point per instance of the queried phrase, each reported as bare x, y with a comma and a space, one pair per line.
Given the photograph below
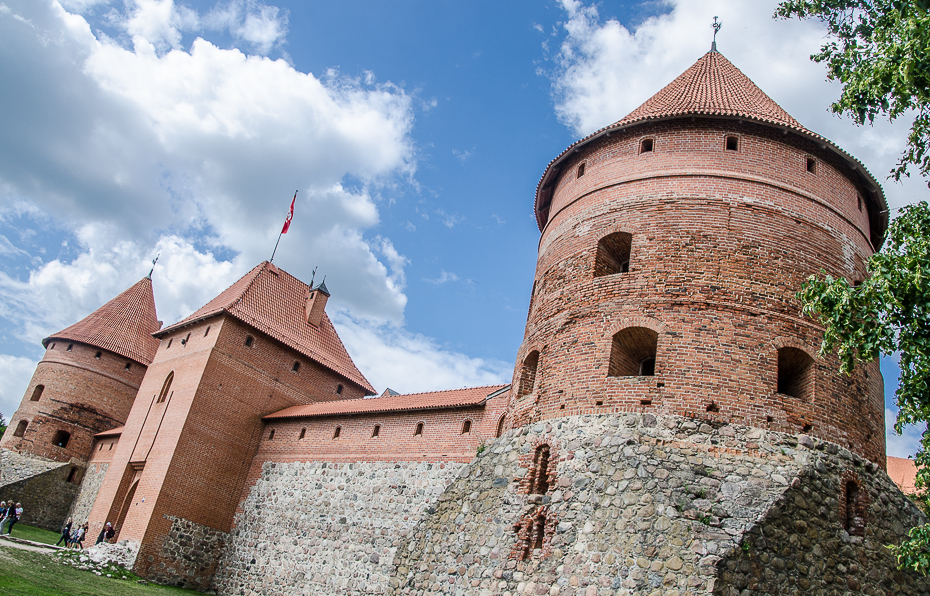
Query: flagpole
287, 224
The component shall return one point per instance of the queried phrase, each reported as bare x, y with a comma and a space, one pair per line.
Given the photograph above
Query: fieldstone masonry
660, 505
196, 550
40, 485
324, 528
90, 486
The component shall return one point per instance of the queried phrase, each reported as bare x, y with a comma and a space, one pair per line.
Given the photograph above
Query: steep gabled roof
713, 87
904, 473
123, 325
431, 400
273, 301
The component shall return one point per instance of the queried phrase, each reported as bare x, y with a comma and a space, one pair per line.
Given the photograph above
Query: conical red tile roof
123, 325
273, 301
711, 87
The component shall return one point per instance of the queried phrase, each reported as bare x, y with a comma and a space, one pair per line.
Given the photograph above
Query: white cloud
905, 444
262, 26
444, 277
605, 70
407, 362
15, 373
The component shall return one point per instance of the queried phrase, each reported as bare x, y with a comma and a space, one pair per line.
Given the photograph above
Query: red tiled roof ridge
113, 431
124, 325
275, 307
469, 396
743, 99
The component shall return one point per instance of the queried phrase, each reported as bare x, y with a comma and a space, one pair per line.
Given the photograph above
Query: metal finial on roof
152, 270
716, 27
313, 276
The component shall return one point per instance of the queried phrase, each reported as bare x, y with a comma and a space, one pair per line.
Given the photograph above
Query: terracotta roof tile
904, 473
273, 301
452, 398
712, 86
112, 432
123, 325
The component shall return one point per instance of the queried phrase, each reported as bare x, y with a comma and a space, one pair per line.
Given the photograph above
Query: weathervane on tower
716, 27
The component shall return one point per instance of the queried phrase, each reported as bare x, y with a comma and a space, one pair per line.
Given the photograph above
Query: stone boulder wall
90, 486
645, 504
327, 528
40, 485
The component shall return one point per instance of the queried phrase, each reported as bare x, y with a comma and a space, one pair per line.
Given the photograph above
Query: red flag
290, 215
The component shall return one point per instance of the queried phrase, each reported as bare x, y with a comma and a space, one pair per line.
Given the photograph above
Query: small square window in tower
376, 431
732, 143
646, 146
811, 165
61, 438
796, 373
633, 353
528, 374
466, 427
581, 169
418, 432
613, 254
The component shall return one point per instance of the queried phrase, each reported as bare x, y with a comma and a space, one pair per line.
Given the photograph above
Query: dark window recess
303, 433
166, 386
539, 474
128, 365
339, 389
466, 427
795, 373
732, 143
53, 347
171, 339
859, 201
613, 254
633, 353
61, 438
811, 165
581, 170
207, 331
713, 407
376, 430
419, 429
296, 367
540, 532
72, 475
248, 341
110, 448
271, 435
854, 523
37, 392
500, 426
186, 339
528, 374
21, 428
646, 146
98, 355
100, 448
337, 432
69, 347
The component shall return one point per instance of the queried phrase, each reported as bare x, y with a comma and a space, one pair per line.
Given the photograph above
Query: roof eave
277, 416
872, 185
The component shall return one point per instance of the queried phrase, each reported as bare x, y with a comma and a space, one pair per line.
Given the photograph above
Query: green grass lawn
27, 573
35, 534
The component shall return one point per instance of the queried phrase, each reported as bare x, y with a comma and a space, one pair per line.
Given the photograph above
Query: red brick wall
103, 450
83, 395
722, 241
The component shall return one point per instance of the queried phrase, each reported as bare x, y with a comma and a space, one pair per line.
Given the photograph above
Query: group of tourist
9, 515
74, 537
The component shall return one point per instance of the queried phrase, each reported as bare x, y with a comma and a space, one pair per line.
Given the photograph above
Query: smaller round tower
87, 379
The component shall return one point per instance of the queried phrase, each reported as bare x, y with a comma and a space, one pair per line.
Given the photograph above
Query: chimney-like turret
316, 304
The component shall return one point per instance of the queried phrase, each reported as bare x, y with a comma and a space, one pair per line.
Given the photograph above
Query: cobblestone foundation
324, 528
651, 505
194, 551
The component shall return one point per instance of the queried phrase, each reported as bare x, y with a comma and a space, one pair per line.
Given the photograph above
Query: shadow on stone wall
46, 496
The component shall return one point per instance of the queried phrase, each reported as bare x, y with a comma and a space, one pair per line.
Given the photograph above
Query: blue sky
415, 132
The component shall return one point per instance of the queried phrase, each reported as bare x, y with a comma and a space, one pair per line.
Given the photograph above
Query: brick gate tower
673, 243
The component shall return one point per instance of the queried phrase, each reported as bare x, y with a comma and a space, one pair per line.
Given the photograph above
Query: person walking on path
65, 533
14, 513
105, 534
3, 514
78, 537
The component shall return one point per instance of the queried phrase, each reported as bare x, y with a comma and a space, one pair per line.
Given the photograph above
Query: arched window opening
337, 432
633, 353
37, 393
466, 427
248, 341
528, 374
21, 428
613, 254
296, 367
70, 346
539, 474
500, 426
419, 430
376, 431
646, 145
166, 386
98, 355
271, 435
303, 433
795, 373
539, 535
339, 389
128, 365
61, 438
581, 169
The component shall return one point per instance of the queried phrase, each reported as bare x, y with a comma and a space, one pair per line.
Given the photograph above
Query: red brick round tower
673, 243
87, 379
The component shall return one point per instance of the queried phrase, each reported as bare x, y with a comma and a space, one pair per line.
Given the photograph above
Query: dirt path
27, 545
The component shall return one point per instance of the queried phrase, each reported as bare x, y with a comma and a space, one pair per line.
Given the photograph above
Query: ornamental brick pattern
720, 240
